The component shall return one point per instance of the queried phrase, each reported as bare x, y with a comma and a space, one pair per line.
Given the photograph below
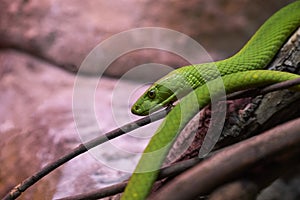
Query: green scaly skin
140, 183
236, 74
256, 54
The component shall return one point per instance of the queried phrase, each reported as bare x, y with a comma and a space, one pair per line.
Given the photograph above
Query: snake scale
241, 71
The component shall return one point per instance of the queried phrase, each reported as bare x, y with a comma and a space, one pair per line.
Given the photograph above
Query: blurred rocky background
43, 43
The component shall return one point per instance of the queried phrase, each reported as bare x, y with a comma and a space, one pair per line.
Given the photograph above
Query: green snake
241, 71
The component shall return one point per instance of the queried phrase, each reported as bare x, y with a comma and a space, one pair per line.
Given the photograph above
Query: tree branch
248, 186
233, 161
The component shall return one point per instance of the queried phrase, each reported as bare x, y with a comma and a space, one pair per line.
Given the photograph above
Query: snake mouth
146, 108
137, 110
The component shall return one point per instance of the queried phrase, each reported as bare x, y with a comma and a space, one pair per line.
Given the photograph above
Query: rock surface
63, 32
37, 127
37, 38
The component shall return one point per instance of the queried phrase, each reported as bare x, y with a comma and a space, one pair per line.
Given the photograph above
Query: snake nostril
135, 108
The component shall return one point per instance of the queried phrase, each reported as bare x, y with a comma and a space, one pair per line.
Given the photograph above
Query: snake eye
151, 94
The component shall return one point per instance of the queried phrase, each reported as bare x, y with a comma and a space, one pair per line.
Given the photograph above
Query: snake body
240, 71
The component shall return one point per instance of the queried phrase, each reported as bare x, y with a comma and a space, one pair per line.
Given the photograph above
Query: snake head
155, 98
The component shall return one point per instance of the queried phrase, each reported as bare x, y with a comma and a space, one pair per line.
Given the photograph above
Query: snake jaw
137, 110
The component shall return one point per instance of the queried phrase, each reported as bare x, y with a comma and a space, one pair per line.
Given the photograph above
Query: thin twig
177, 167
100, 193
19, 189
174, 169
